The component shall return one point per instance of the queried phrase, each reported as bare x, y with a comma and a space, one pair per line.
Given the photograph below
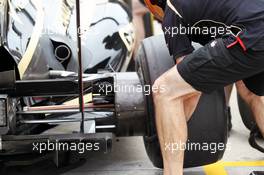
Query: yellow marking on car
87, 98
127, 34
219, 168
33, 43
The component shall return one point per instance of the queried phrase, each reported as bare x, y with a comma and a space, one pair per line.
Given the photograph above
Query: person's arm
179, 44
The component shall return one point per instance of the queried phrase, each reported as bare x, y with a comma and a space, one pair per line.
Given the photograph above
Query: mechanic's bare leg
228, 91
255, 102
172, 117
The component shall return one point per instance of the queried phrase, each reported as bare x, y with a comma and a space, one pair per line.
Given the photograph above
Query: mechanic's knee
243, 91
256, 101
171, 86
166, 89
159, 87
247, 95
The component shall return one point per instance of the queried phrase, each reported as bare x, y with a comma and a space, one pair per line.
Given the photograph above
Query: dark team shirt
237, 21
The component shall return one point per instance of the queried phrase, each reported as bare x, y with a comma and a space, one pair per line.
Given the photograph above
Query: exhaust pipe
62, 52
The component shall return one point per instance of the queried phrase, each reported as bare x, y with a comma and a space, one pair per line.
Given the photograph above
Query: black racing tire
148, 75
209, 121
246, 113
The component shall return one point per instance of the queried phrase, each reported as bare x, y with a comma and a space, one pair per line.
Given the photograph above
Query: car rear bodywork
38, 38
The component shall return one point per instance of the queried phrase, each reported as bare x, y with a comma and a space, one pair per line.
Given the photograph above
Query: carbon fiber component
130, 108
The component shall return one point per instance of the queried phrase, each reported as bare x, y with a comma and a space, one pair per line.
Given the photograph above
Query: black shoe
254, 135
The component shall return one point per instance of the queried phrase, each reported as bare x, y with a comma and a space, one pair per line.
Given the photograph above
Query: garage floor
128, 157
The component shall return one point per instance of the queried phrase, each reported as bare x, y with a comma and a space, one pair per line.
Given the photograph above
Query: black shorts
214, 66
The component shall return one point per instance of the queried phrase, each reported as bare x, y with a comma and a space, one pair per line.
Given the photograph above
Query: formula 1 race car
41, 102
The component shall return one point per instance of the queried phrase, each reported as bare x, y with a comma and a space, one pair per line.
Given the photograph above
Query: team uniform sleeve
178, 43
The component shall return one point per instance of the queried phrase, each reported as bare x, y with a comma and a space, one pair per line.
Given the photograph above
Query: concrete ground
128, 157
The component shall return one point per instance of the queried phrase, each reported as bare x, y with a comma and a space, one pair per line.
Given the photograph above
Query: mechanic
237, 56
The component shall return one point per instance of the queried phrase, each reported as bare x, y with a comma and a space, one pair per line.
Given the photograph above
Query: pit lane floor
128, 157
